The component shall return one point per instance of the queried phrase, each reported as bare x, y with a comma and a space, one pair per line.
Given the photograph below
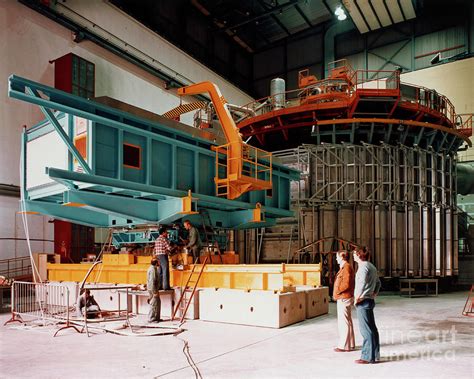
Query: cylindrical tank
465, 178
277, 93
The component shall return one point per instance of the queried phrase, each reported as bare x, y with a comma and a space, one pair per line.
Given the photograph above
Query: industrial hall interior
255, 188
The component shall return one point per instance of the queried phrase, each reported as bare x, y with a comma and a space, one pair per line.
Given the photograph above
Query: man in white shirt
367, 286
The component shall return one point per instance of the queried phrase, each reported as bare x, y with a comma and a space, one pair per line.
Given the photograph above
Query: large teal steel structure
172, 175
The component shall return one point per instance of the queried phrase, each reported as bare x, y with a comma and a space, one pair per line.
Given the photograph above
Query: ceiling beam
305, 18
388, 11
326, 5
375, 14
270, 11
362, 15
401, 10
281, 25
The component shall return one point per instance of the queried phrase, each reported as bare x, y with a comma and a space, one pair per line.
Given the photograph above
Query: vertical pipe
174, 166
92, 147
148, 168
120, 154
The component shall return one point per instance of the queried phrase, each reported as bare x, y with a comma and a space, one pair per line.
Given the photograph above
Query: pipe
331, 33
239, 108
9, 190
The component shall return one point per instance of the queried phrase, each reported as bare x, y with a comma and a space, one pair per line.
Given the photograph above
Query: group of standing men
361, 292
158, 275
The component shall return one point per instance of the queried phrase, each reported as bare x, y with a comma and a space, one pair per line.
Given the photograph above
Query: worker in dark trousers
194, 241
162, 250
367, 287
153, 286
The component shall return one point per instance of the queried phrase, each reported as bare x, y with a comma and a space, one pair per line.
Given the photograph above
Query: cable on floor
189, 358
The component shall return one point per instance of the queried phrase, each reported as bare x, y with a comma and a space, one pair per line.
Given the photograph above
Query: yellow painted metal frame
119, 268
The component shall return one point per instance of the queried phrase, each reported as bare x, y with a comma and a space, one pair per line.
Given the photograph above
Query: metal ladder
210, 232
189, 288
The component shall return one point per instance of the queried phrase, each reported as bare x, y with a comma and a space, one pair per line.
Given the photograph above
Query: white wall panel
12, 234
454, 80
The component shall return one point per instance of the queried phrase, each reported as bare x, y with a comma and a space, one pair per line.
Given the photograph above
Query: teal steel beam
445, 135
388, 133
146, 211
371, 133
81, 216
139, 188
60, 100
23, 164
102, 120
454, 138
66, 139
41, 129
162, 212
142, 210
390, 60
232, 220
419, 136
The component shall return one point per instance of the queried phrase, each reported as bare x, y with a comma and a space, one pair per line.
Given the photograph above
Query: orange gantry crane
239, 167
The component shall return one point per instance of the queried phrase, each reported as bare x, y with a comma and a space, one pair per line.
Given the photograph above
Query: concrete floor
420, 337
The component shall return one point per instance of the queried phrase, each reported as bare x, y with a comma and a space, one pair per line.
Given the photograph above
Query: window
82, 77
132, 156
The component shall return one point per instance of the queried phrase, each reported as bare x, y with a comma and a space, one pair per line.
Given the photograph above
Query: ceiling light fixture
341, 15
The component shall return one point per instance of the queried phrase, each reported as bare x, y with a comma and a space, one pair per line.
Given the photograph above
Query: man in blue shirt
367, 286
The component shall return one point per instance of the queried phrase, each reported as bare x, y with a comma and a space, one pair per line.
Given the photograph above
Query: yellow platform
117, 268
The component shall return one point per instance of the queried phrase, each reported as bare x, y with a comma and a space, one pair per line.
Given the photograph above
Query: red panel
63, 73
62, 238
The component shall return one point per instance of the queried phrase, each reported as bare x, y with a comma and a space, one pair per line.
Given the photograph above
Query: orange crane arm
231, 131
235, 182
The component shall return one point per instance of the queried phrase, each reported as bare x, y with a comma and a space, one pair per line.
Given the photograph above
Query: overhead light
341, 15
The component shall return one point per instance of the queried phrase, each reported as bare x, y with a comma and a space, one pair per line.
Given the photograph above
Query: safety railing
256, 165
376, 80
339, 68
428, 98
16, 267
343, 82
307, 253
464, 123
40, 302
113, 312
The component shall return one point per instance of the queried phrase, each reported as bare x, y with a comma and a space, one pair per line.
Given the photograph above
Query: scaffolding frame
372, 174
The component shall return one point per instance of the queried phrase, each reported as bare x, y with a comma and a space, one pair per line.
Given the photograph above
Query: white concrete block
257, 308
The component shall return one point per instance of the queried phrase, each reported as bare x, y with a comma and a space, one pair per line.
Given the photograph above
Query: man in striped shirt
162, 250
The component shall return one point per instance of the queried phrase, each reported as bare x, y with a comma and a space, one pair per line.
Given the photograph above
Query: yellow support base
119, 268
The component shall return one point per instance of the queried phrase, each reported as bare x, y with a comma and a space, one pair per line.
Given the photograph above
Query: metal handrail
254, 160
426, 101
360, 79
12, 270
